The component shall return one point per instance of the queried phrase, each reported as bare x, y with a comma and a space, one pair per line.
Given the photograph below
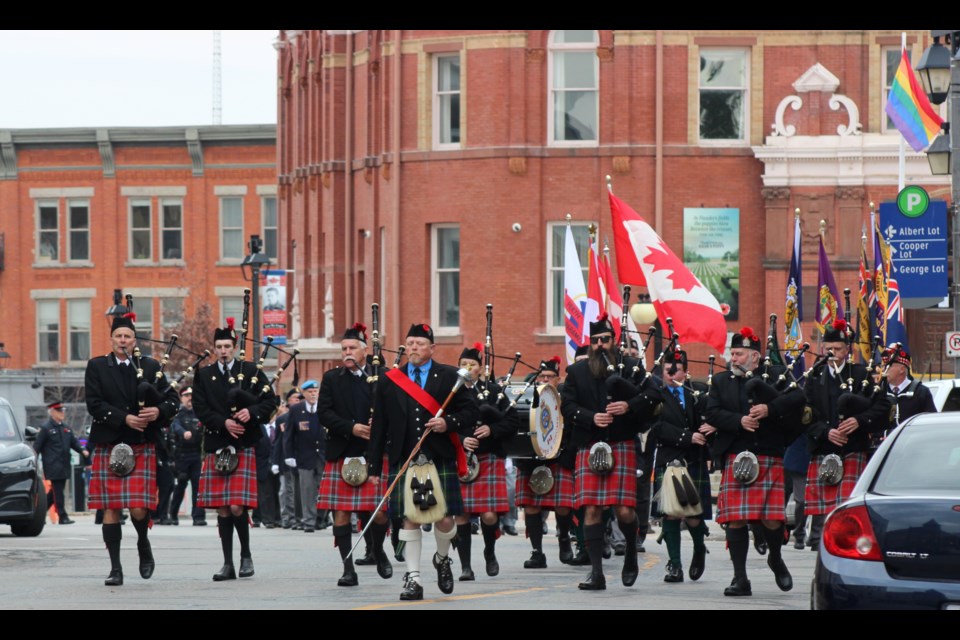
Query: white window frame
139, 202
744, 139
145, 321
440, 114
162, 225
435, 271
275, 228
74, 307
165, 323
551, 269
221, 229
56, 332
553, 48
71, 230
45, 204
236, 316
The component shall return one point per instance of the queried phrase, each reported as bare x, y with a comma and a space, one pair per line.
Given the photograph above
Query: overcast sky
134, 78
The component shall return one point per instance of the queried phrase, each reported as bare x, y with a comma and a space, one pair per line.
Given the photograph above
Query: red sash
429, 403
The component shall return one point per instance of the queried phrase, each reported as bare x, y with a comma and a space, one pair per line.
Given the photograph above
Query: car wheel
35, 525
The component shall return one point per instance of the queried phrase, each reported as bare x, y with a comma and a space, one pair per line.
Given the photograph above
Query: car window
952, 403
8, 427
924, 458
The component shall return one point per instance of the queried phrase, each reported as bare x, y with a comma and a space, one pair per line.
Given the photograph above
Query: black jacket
673, 431
344, 401
399, 419
500, 430
111, 393
822, 391
304, 440
187, 421
916, 398
212, 406
53, 443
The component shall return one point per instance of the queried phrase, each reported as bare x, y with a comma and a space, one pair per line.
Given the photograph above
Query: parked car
895, 543
23, 499
946, 393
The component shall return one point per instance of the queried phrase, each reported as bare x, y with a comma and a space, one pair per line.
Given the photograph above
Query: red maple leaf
662, 259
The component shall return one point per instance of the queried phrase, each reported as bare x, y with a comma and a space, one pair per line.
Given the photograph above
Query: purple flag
828, 296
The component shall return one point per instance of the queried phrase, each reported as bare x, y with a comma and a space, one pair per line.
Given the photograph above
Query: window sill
229, 262
141, 263
548, 338
72, 264
173, 263
723, 143
447, 338
579, 144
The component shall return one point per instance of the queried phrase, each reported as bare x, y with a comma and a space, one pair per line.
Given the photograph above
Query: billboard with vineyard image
711, 249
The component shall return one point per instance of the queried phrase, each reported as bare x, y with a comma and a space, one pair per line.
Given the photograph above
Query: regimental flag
828, 296
793, 313
895, 330
574, 296
614, 298
909, 108
881, 278
596, 296
864, 321
644, 259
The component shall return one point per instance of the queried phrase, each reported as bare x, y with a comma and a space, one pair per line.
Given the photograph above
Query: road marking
473, 596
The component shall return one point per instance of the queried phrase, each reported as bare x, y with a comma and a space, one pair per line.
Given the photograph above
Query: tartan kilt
619, 487
236, 489
820, 498
760, 500
489, 491
701, 480
560, 495
135, 491
335, 494
449, 481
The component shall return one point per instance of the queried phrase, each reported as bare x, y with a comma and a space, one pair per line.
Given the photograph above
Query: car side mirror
30, 433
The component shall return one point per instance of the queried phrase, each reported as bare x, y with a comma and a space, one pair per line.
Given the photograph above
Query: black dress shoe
175, 520
227, 572
367, 559
246, 567
815, 546
630, 571
798, 544
760, 545
781, 574
510, 530
466, 575
607, 551
698, 563
641, 548
594, 582
566, 551
493, 567
348, 579
384, 568
581, 559
619, 549
411, 589
115, 579
199, 523
164, 521
66, 520
538, 560
738, 588
146, 559
674, 573
297, 527
444, 573
474, 528
308, 529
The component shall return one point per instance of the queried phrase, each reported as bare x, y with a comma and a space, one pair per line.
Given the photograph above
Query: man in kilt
225, 425
110, 385
598, 415
679, 439
486, 495
559, 498
838, 427
759, 428
403, 413
344, 407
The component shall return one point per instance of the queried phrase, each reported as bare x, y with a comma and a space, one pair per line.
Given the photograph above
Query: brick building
432, 171
162, 213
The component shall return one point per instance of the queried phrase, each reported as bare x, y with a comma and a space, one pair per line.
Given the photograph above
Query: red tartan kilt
236, 489
488, 493
821, 498
561, 495
619, 487
135, 491
336, 495
760, 500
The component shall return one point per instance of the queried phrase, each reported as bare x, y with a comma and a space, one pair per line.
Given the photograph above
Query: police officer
186, 427
54, 443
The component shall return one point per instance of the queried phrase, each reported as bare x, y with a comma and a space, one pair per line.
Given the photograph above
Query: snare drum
541, 428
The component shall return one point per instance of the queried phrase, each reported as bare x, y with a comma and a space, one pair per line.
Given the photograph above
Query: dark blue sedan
895, 543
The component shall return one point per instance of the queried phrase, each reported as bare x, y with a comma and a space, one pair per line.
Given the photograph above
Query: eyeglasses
603, 339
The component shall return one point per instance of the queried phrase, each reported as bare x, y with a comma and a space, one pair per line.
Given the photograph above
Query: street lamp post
644, 313
939, 71
251, 266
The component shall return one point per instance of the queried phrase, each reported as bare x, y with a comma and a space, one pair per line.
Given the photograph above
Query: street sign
918, 243
953, 344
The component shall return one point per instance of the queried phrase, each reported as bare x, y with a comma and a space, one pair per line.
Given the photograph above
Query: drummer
486, 493
535, 491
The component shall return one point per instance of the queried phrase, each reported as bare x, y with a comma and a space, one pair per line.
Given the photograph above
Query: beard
597, 363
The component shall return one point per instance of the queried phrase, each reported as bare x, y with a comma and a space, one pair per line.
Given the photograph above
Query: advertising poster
711, 249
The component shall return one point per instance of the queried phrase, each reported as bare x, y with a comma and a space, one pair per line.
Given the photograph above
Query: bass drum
540, 431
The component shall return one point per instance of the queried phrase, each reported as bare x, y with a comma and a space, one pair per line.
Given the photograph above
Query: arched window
574, 96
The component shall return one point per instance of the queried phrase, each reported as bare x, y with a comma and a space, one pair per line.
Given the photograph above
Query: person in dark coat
111, 388
305, 450
188, 432
290, 508
53, 444
908, 395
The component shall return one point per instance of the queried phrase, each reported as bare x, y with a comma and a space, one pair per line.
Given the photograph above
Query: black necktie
416, 377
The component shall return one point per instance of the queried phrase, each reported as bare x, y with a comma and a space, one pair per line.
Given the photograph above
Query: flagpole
902, 164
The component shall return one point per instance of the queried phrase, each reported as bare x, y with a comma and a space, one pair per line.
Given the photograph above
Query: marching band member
903, 390
110, 385
344, 406
485, 495
750, 438
830, 433
231, 493
605, 428
408, 401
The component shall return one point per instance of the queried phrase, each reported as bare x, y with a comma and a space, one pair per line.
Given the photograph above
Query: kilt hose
449, 481
760, 500
821, 498
335, 494
135, 491
560, 495
488, 493
701, 480
619, 487
235, 489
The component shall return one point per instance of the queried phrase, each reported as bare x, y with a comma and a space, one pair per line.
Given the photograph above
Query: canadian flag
643, 259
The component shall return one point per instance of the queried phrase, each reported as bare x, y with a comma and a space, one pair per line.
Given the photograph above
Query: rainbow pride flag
909, 108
